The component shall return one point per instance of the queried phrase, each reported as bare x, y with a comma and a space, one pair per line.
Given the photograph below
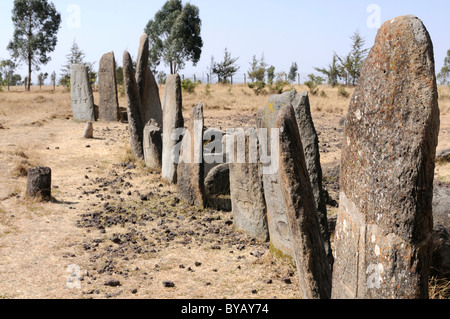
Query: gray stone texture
301, 211
148, 88
247, 195
39, 183
279, 234
89, 130
135, 125
153, 146
81, 94
190, 169
383, 241
172, 120
107, 89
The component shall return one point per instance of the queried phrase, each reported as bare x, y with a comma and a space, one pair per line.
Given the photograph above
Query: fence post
245, 79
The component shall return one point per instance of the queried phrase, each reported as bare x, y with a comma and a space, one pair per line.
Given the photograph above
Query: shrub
188, 86
257, 87
343, 92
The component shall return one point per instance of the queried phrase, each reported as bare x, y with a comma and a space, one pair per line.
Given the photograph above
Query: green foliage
226, 69
36, 24
208, 89
76, 56
331, 72
162, 77
347, 68
257, 70
41, 78
7, 69
174, 35
342, 92
444, 75
313, 83
119, 75
270, 74
189, 86
280, 84
257, 87
293, 72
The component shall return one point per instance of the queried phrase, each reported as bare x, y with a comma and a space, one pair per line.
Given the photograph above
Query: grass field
45, 248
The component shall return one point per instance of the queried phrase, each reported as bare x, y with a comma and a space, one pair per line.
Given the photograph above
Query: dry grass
39, 242
439, 289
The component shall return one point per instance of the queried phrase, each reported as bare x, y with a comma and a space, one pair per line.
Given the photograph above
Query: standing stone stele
191, 169
383, 240
39, 183
81, 94
301, 212
135, 124
148, 88
107, 89
153, 145
246, 188
172, 120
266, 118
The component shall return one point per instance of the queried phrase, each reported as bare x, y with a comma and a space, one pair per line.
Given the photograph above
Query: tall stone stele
280, 237
191, 168
148, 88
385, 222
81, 94
302, 218
135, 125
107, 89
246, 187
173, 122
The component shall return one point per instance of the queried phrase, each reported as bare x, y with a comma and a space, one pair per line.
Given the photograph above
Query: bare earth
113, 230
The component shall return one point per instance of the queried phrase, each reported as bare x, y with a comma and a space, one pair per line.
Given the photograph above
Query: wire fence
241, 78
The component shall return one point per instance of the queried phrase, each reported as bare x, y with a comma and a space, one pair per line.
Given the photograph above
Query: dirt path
100, 239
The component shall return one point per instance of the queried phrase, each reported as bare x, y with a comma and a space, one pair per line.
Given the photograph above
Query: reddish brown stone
383, 239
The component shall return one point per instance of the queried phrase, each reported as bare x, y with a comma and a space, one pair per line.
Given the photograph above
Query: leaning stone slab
148, 88
107, 89
191, 169
135, 124
153, 145
383, 241
172, 122
81, 94
247, 195
266, 118
298, 197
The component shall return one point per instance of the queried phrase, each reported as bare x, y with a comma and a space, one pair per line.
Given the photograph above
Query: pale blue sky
286, 31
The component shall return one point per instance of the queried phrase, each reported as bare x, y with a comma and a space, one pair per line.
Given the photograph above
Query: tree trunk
29, 74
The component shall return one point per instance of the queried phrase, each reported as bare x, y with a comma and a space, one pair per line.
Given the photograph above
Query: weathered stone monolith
246, 188
190, 169
266, 118
88, 130
383, 241
153, 145
302, 218
81, 94
39, 183
135, 125
107, 89
148, 88
173, 122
